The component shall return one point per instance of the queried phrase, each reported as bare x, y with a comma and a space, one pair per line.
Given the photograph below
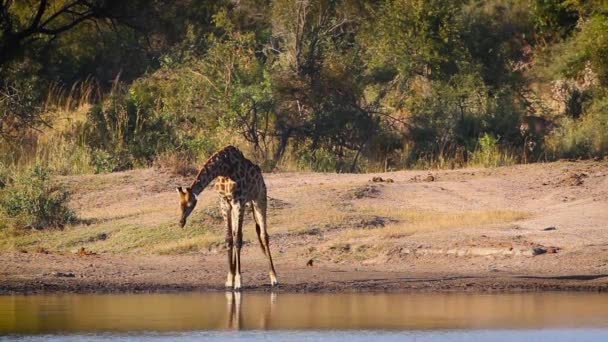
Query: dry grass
176, 163
366, 244
136, 212
114, 237
410, 222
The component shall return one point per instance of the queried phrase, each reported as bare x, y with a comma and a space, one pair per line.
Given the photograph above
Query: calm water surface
282, 316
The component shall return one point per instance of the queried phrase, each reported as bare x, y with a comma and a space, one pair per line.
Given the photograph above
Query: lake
287, 316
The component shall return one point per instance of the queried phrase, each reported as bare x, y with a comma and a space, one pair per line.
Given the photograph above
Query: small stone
429, 178
550, 228
539, 250
64, 275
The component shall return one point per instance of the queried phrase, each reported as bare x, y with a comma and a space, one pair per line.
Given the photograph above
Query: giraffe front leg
238, 210
230, 250
226, 214
238, 243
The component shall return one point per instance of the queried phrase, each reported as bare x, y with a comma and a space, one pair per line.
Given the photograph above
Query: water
282, 316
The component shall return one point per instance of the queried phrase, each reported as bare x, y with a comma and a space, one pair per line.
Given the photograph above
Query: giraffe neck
220, 164
205, 177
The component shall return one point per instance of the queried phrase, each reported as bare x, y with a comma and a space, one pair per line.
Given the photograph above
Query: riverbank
116, 274
536, 227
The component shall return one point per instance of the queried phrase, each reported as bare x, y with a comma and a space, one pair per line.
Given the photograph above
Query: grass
356, 244
136, 212
120, 215
419, 221
114, 237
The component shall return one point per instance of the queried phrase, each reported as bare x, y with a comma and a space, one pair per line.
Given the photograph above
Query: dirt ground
520, 228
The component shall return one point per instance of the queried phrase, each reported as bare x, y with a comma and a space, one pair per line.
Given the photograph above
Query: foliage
586, 138
489, 153
124, 131
554, 19
330, 85
588, 47
30, 199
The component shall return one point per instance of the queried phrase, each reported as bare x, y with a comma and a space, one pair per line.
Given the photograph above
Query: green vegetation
327, 85
29, 199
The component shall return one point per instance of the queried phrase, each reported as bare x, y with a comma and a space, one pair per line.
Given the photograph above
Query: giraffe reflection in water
235, 315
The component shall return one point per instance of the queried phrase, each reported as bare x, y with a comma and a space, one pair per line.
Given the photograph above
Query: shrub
30, 199
176, 163
319, 160
586, 137
489, 153
4, 173
124, 131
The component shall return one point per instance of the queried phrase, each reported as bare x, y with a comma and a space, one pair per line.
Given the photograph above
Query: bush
586, 137
176, 163
319, 160
124, 131
30, 199
489, 154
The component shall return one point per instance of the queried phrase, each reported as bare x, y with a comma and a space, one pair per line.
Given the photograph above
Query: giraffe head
187, 202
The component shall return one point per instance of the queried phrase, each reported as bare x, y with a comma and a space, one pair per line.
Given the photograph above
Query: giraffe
239, 182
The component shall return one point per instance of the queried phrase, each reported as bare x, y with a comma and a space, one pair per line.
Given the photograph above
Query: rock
370, 191
550, 228
429, 178
98, 237
64, 275
574, 179
84, 252
42, 250
538, 251
311, 231
382, 180
309, 263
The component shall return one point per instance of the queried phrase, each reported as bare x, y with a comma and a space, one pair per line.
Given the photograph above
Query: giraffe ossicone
239, 182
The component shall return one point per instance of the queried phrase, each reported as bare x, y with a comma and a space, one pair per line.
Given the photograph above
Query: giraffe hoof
237, 283
273, 280
229, 281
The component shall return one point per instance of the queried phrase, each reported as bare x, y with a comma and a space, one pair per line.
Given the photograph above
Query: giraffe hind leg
258, 230
259, 208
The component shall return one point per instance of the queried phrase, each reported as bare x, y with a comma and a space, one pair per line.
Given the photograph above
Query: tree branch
66, 27
64, 9
39, 13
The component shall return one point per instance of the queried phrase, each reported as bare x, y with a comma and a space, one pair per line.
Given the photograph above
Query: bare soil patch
526, 227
